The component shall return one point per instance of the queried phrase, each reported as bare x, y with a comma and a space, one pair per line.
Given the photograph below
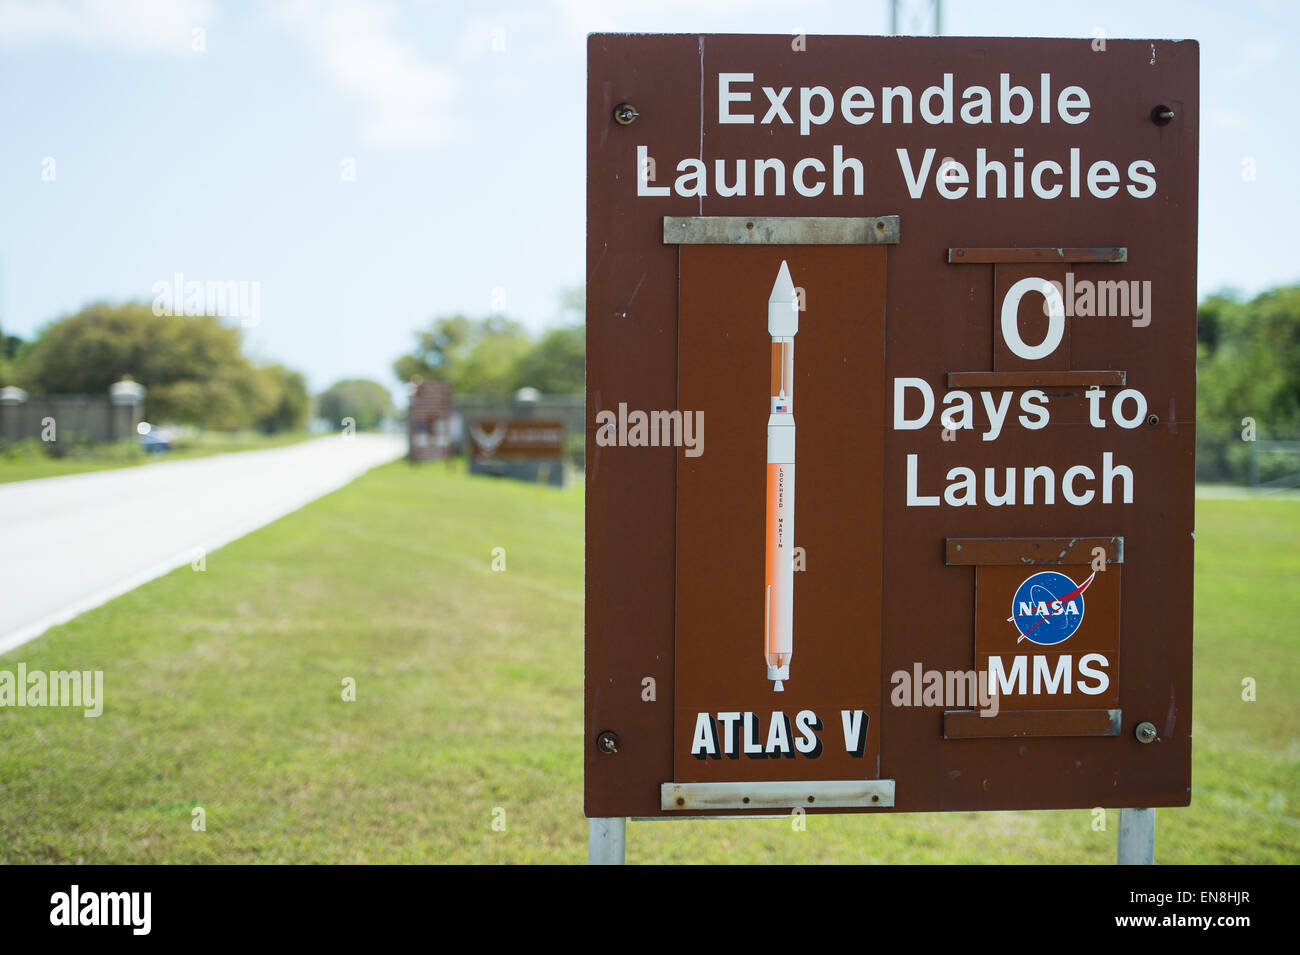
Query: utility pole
938, 17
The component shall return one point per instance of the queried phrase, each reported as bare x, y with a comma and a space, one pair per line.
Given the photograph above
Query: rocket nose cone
783, 290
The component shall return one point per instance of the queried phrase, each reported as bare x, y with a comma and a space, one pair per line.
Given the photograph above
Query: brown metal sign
429, 422
513, 439
890, 395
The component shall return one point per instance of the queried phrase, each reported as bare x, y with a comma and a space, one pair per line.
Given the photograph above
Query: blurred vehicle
154, 440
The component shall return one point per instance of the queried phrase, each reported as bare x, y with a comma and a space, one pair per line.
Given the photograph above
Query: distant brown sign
950, 284
429, 421
513, 439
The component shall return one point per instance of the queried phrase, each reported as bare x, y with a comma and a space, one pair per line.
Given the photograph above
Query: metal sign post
606, 841
1137, 837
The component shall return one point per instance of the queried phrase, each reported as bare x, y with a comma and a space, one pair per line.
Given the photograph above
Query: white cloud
406, 102
133, 26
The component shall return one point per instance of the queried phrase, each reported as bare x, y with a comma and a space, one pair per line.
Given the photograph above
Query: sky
371, 164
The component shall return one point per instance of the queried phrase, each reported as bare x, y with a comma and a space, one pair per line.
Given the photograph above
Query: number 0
1055, 318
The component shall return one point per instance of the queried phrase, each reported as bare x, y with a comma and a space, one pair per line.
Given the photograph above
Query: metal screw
1153, 420
1146, 732
1162, 115
607, 743
625, 114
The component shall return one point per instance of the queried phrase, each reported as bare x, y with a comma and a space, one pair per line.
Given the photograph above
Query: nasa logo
1048, 607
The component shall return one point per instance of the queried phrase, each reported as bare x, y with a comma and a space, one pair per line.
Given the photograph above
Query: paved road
70, 543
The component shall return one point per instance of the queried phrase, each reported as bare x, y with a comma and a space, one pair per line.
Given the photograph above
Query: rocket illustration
778, 617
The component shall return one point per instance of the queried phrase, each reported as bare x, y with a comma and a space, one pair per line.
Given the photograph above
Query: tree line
1248, 371
196, 373
193, 367
1248, 385
495, 356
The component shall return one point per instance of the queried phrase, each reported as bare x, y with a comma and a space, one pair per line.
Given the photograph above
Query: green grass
224, 690
21, 466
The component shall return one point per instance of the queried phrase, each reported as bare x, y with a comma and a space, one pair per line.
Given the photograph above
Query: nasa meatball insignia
1048, 607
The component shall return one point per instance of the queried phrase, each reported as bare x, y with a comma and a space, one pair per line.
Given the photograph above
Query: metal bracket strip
812, 794
780, 230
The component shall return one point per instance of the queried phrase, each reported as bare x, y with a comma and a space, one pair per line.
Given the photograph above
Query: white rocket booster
778, 619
